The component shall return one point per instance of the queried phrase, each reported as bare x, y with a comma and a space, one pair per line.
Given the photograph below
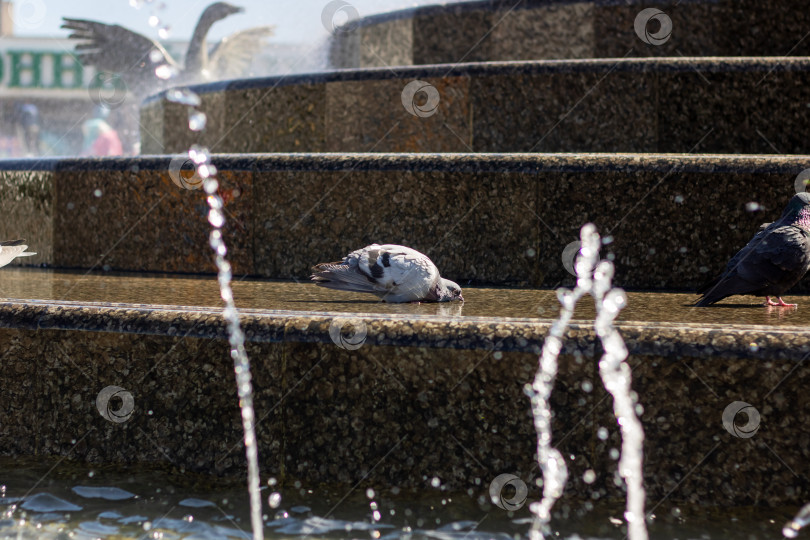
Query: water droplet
97, 193
589, 477
165, 71
165, 32
199, 154
602, 433
211, 185
274, 500
370, 493
530, 252
753, 206
196, 120
206, 170
184, 96
497, 355
435, 482
679, 199
216, 218
587, 386
153, 21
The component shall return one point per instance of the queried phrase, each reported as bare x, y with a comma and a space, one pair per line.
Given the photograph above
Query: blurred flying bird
394, 273
11, 249
115, 49
771, 263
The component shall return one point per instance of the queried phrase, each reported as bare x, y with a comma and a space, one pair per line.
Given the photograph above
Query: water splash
241, 364
792, 527
594, 277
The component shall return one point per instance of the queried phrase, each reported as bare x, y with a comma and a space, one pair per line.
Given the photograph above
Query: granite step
728, 105
427, 391
498, 30
503, 220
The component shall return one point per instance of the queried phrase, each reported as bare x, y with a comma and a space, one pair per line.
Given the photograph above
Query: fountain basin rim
431, 331
428, 162
681, 64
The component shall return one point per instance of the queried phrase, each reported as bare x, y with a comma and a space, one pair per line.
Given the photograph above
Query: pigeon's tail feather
12, 243
709, 299
716, 290
342, 277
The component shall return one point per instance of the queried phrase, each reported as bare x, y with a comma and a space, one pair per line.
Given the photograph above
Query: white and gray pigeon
11, 249
394, 273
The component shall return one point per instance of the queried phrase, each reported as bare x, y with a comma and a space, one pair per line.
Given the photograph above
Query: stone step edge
665, 64
515, 162
474, 333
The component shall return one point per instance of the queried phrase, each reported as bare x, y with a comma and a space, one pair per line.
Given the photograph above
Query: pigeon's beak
237, 9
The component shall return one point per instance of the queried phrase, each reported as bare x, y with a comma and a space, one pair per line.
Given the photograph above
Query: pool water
63, 500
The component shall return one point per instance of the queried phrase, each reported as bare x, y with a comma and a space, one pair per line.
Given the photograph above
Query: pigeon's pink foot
781, 303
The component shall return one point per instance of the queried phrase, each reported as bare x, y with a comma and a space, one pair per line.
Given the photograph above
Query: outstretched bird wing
113, 48
232, 56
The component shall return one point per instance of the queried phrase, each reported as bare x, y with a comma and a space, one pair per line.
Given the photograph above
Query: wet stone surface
431, 390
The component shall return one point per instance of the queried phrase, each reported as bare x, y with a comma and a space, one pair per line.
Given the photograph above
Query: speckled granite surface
26, 204
495, 30
137, 218
407, 405
497, 219
742, 105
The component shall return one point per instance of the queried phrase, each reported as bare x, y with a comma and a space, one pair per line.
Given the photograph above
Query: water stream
236, 338
206, 172
594, 277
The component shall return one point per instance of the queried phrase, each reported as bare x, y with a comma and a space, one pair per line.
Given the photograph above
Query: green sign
56, 70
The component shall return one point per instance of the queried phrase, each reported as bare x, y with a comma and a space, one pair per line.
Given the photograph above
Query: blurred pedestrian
26, 126
100, 139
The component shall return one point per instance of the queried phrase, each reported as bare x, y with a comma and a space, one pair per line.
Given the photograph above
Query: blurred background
49, 102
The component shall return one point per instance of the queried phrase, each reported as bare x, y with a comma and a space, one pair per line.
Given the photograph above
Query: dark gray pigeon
771, 263
394, 273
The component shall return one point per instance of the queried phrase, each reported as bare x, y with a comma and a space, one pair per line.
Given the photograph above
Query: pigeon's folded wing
781, 256
395, 272
342, 276
398, 267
